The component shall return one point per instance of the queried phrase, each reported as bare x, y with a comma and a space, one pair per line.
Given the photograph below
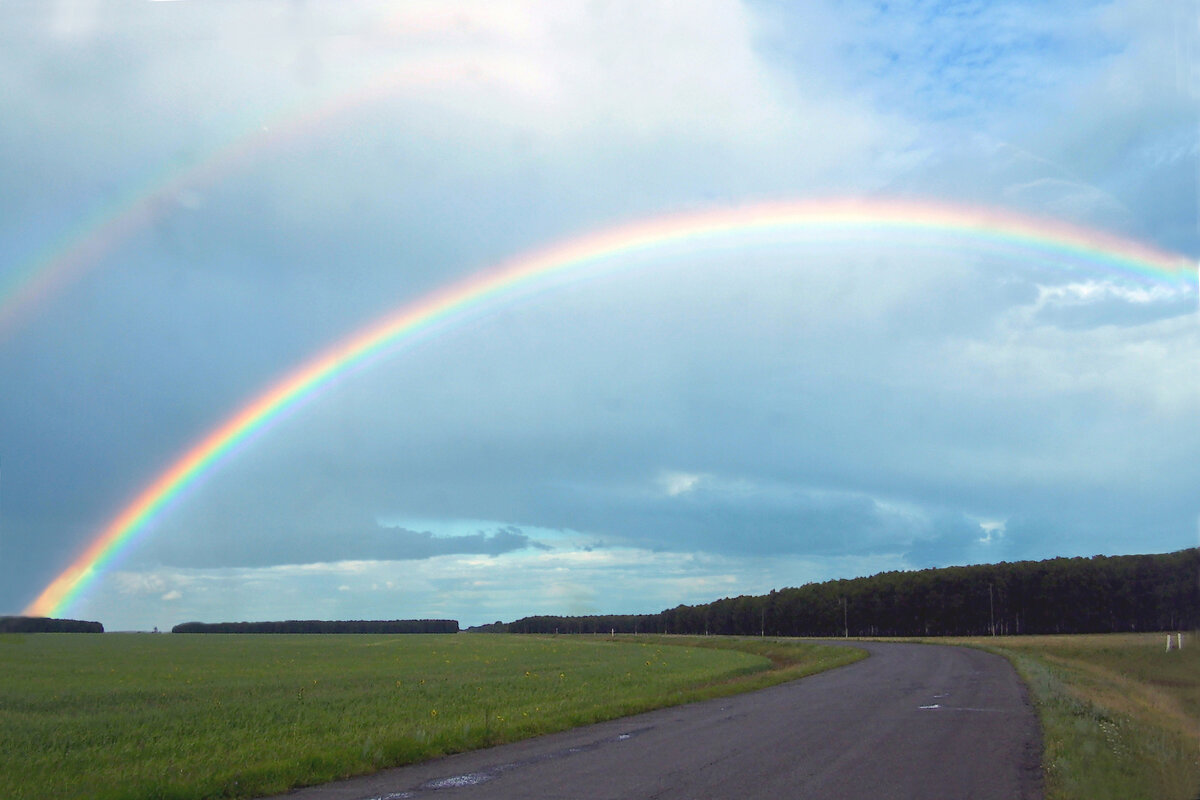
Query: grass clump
128, 716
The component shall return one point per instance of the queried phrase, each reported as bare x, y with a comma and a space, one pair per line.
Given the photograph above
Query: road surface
911, 721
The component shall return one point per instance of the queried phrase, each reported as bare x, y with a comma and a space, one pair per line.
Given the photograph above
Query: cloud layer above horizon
695, 426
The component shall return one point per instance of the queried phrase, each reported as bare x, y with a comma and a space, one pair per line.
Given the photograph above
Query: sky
197, 199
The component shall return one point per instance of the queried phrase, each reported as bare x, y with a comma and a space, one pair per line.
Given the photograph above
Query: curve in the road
912, 721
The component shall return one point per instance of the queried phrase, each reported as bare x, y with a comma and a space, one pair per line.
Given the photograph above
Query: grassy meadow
1120, 715
136, 716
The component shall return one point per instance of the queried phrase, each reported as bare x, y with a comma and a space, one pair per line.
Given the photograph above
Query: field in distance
1120, 713
174, 716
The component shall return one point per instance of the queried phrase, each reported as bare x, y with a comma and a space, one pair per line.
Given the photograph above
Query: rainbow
71, 255
1047, 241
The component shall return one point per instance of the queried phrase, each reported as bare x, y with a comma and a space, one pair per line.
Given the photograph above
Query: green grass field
1120, 715
143, 716
172, 716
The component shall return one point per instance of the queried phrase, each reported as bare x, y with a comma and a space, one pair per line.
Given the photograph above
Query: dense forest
323, 626
1062, 595
47, 625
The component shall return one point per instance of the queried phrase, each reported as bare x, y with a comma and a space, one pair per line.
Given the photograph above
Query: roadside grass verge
1120, 716
138, 716
790, 659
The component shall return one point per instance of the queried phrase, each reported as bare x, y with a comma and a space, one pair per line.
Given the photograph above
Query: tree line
47, 625
1101, 594
323, 626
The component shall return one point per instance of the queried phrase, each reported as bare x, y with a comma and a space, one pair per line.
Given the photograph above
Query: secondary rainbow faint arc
78, 249
1055, 240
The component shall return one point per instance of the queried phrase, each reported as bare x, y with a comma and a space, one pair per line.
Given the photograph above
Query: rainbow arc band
26, 286
1048, 241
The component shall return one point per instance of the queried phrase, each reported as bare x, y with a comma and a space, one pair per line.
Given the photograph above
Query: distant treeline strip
47, 625
323, 626
1062, 595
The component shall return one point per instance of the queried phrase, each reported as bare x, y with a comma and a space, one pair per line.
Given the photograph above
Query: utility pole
845, 619
991, 610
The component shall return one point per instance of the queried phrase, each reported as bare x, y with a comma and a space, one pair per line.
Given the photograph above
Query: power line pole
991, 610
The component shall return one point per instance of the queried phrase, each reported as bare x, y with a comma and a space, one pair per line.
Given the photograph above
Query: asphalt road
911, 721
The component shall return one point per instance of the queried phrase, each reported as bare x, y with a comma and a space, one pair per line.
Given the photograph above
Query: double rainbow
1046, 241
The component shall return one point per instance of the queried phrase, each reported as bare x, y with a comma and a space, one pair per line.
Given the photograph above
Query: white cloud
626, 68
993, 529
677, 483
1093, 291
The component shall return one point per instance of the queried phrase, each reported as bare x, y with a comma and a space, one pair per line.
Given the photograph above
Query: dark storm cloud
262, 546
